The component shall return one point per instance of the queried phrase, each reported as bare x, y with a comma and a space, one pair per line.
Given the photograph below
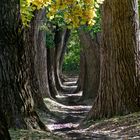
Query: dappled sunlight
71, 115
79, 94
68, 68
60, 127
69, 83
118, 127
66, 119
61, 106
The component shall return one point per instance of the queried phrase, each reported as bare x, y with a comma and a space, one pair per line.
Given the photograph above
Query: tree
81, 77
55, 55
74, 13
4, 134
91, 67
51, 75
16, 100
60, 40
40, 59
37, 56
118, 91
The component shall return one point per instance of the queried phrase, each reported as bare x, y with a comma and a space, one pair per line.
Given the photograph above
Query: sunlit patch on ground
70, 83
51, 103
79, 94
61, 127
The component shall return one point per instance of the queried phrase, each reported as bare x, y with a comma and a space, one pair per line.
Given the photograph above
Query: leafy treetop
74, 12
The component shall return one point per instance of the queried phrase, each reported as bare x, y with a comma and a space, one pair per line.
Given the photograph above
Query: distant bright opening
71, 64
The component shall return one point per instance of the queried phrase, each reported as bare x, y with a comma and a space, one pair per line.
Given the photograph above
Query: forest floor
67, 114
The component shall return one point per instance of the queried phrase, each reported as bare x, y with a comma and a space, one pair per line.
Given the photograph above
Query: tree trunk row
55, 61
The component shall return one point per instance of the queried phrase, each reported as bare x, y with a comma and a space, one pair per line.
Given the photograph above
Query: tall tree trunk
51, 75
38, 66
118, 90
41, 53
67, 35
81, 78
61, 38
16, 100
55, 58
59, 43
4, 134
91, 49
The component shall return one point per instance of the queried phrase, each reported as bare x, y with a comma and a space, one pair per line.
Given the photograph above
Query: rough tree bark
67, 35
41, 53
38, 65
55, 58
51, 75
59, 43
91, 50
60, 40
16, 100
118, 91
81, 77
4, 134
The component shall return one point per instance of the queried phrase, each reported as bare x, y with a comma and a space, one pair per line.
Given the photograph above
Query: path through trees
36, 96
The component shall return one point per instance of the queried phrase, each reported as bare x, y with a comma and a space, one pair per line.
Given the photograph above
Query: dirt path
67, 115
70, 114
70, 117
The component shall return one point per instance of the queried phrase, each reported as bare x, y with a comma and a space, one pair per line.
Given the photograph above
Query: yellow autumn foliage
76, 12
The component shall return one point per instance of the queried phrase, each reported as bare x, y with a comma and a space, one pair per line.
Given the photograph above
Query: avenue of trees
32, 50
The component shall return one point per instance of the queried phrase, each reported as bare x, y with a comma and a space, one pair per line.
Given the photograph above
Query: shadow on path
71, 115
